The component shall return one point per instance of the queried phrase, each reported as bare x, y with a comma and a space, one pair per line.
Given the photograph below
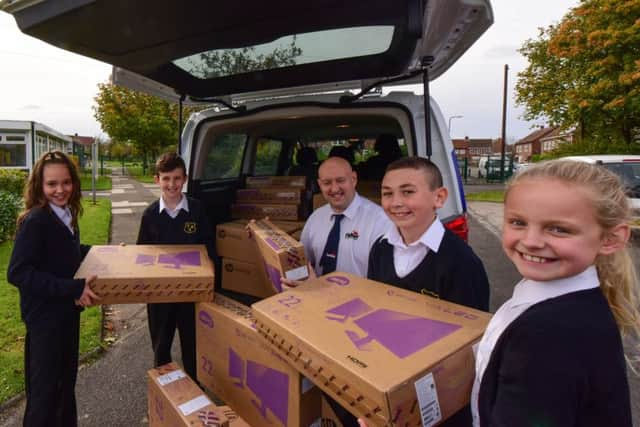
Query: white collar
182, 204
64, 214
351, 210
431, 238
531, 291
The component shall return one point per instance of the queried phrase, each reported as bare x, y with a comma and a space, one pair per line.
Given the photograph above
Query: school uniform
552, 355
186, 224
46, 254
438, 264
363, 222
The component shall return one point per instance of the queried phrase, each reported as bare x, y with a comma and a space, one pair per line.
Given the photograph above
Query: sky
57, 88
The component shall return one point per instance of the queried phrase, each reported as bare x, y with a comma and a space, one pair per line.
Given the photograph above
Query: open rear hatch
204, 48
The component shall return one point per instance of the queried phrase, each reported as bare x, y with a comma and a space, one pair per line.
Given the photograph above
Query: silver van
282, 75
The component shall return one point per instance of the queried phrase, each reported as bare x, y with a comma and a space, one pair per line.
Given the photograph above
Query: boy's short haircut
434, 177
170, 161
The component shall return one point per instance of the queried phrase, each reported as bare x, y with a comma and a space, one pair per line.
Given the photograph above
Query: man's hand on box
88, 298
362, 423
295, 283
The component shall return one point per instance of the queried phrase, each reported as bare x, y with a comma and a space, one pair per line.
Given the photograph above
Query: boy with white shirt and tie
174, 219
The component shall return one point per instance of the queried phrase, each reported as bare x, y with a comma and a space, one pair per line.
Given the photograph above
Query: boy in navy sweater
418, 253
174, 219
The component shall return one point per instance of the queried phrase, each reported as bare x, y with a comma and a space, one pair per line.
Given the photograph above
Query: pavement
111, 391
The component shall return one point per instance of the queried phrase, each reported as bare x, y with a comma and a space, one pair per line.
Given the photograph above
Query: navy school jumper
45, 257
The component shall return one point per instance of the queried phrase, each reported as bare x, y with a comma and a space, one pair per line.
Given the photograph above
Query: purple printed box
391, 356
239, 367
149, 273
283, 255
174, 400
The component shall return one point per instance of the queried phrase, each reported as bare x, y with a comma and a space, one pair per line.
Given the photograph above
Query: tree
144, 120
584, 72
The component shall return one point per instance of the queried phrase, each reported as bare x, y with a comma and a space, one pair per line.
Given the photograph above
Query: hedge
12, 181
10, 207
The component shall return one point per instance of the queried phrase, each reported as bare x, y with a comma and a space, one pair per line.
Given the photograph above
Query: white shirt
363, 223
407, 257
173, 213
525, 294
64, 214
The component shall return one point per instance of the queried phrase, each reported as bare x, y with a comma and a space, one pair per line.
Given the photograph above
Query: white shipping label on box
193, 405
428, 400
171, 377
297, 273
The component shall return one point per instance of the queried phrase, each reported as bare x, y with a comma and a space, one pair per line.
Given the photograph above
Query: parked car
627, 167
489, 167
283, 75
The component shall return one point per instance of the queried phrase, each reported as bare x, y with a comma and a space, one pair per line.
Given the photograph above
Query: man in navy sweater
174, 219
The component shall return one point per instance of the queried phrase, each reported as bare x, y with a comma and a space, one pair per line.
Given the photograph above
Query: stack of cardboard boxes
243, 268
388, 355
276, 197
242, 369
281, 199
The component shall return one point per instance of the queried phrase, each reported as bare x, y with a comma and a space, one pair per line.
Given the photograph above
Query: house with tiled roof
554, 139
531, 144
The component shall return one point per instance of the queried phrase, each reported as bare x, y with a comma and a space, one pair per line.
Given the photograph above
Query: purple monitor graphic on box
401, 333
174, 260
270, 386
274, 276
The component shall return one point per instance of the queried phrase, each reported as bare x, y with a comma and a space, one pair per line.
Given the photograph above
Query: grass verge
102, 183
486, 196
94, 229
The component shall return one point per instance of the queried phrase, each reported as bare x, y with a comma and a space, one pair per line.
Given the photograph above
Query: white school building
23, 142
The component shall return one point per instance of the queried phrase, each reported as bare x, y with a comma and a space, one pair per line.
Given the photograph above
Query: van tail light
459, 226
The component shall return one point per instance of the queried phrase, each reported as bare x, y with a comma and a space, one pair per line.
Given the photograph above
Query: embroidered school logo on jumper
190, 227
353, 235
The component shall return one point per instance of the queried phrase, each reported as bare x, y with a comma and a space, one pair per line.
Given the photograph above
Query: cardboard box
175, 400
258, 211
276, 181
389, 355
232, 239
149, 273
246, 278
282, 254
234, 419
239, 366
276, 195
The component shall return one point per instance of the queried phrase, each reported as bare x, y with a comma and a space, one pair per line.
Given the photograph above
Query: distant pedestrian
552, 355
174, 219
46, 254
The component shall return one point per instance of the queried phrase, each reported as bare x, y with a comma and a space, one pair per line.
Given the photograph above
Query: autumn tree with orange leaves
584, 73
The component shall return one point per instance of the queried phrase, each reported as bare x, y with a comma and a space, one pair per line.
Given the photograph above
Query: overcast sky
51, 86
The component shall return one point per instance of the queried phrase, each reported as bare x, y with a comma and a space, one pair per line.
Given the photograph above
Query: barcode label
428, 400
171, 377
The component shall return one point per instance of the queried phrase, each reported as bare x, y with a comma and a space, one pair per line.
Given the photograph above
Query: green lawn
486, 196
102, 183
94, 229
136, 173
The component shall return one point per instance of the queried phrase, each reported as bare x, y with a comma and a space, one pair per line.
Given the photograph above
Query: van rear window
296, 49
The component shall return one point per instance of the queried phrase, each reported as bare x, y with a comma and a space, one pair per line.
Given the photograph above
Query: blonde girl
552, 355
46, 254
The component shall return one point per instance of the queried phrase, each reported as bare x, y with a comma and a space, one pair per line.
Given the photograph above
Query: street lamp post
452, 117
